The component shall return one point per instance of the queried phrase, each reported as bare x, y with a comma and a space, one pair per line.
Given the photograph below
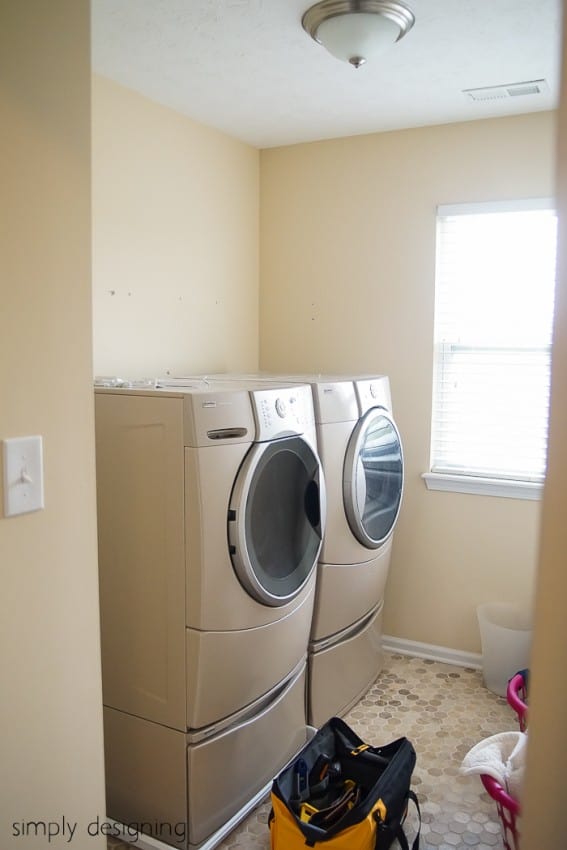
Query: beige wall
544, 798
175, 241
347, 285
50, 710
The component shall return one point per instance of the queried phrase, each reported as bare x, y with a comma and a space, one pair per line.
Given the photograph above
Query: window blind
495, 280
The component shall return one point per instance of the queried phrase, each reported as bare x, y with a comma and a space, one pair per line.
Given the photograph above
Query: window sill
483, 486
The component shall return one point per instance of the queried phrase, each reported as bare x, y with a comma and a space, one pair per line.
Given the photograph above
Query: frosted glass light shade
357, 30
359, 36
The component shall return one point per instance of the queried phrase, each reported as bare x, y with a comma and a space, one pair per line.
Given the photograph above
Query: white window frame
461, 482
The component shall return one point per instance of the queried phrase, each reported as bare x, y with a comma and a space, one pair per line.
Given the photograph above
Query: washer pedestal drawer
185, 787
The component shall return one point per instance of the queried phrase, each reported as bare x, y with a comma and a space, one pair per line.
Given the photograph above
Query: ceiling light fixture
357, 30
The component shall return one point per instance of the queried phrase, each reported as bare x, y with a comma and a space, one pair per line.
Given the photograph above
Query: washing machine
361, 451
211, 507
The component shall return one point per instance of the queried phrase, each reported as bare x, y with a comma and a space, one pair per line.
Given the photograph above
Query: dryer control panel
373, 392
334, 401
281, 411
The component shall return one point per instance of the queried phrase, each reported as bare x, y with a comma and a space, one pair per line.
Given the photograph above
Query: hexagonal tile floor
444, 711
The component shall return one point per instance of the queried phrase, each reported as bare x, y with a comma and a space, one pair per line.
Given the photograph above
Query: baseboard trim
432, 652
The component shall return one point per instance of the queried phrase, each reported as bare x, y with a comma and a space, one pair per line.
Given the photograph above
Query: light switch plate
23, 475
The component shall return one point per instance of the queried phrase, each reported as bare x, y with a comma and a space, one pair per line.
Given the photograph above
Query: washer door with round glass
275, 519
373, 478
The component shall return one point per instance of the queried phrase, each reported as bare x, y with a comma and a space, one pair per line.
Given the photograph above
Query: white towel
501, 756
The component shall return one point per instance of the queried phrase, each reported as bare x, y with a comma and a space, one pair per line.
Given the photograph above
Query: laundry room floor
444, 710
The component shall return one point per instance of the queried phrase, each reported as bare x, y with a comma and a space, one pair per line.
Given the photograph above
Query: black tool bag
343, 793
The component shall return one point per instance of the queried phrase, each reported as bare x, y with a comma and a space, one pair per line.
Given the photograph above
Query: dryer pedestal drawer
184, 792
347, 592
342, 668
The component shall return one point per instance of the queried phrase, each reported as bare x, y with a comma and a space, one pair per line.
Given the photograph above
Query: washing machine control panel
282, 410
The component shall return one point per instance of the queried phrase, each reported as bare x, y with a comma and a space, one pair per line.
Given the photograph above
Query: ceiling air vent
509, 90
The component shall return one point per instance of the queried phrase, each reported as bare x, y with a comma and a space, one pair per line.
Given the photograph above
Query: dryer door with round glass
373, 478
275, 519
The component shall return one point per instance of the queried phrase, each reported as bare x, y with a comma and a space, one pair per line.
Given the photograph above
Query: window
495, 279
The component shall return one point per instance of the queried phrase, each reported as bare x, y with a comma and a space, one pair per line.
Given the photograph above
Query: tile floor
444, 711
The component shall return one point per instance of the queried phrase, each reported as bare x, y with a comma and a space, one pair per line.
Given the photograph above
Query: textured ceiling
248, 68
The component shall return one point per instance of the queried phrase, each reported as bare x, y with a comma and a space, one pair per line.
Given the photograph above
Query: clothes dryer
363, 461
361, 451
211, 506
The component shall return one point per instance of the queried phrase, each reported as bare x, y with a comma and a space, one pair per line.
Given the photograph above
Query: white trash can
505, 635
